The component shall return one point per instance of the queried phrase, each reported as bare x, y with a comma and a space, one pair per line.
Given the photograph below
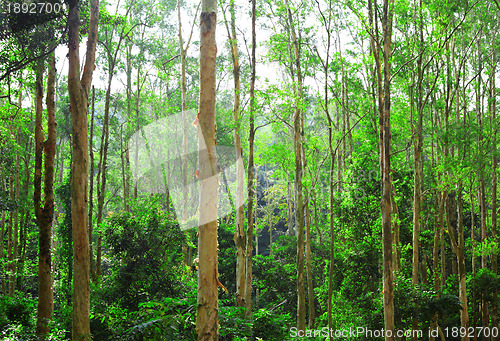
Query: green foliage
145, 259
485, 284
233, 326
16, 310
169, 318
275, 277
416, 301
268, 325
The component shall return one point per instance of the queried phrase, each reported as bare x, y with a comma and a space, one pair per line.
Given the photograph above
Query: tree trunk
14, 222
126, 190
299, 212
2, 268
91, 189
385, 204
331, 178
289, 206
454, 221
78, 90
239, 234
310, 287
184, 116
10, 253
45, 215
396, 231
494, 165
207, 319
481, 165
250, 177
103, 156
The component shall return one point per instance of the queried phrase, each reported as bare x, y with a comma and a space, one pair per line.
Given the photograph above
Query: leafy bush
17, 310
270, 326
145, 260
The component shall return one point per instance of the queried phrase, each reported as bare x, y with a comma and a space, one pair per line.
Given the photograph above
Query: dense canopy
262, 170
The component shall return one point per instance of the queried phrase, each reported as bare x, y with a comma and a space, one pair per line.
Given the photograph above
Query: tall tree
45, 214
78, 89
250, 175
297, 128
207, 316
239, 235
494, 166
384, 93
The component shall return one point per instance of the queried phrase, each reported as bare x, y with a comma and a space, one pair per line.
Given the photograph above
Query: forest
249, 170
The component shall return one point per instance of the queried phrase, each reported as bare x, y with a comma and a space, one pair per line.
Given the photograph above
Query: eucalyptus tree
326, 19
207, 317
78, 88
384, 110
250, 173
45, 213
239, 235
492, 103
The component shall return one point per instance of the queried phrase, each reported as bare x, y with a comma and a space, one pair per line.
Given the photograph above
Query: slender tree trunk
482, 190
257, 293
207, 319
16, 217
332, 225
137, 126
417, 195
494, 165
299, 212
454, 221
184, 116
45, 215
2, 255
14, 222
102, 168
396, 231
78, 90
310, 287
438, 231
186, 248
417, 172
128, 88
91, 189
332, 184
385, 204
10, 248
250, 176
239, 234
124, 169
289, 205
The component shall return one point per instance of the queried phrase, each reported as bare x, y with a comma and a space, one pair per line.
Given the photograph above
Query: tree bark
10, 242
184, 116
454, 221
207, 312
417, 172
385, 204
299, 212
250, 176
2, 268
239, 235
494, 165
78, 90
91, 189
45, 215
310, 287
14, 221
